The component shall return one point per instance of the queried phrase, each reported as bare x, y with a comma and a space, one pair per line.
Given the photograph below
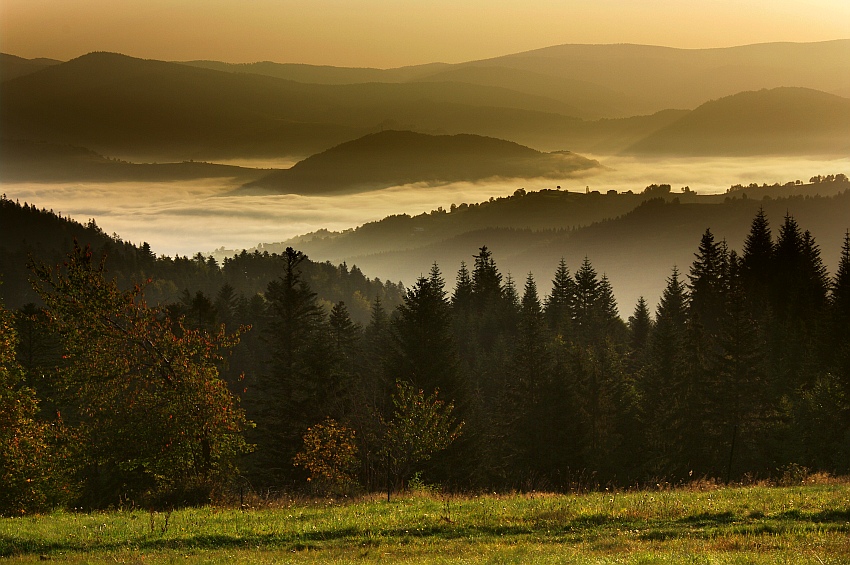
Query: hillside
392, 158
29, 161
614, 80
120, 106
664, 77
636, 243
779, 121
29, 234
547, 99
12, 66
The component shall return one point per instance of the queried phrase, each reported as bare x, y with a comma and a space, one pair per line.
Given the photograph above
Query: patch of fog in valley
186, 217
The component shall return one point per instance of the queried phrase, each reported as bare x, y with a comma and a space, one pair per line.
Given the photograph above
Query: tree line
743, 370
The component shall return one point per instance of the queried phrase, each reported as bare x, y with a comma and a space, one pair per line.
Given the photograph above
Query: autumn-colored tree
330, 456
151, 413
420, 427
26, 455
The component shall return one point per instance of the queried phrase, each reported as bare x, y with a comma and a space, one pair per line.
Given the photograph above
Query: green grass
806, 524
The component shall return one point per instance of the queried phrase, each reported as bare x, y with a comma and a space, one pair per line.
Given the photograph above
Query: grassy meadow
736, 525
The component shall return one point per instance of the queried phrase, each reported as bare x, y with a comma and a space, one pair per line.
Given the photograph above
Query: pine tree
840, 321
345, 340
297, 389
735, 431
705, 287
425, 351
664, 385
530, 402
463, 293
486, 280
757, 260
640, 327
799, 298
585, 307
559, 304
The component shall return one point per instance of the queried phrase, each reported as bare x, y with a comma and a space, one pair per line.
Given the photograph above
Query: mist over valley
219, 157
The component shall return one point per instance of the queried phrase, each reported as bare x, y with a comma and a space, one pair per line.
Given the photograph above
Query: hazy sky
388, 33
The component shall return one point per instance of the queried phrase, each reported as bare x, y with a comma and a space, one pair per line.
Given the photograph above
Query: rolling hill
119, 105
548, 99
779, 121
12, 66
30, 161
613, 80
635, 238
392, 158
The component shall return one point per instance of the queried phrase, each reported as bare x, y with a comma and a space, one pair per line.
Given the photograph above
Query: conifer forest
109, 398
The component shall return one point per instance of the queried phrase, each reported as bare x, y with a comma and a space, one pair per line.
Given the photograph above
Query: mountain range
599, 99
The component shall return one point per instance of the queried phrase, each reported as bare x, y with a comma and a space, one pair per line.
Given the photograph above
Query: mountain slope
636, 250
777, 121
12, 66
393, 158
665, 77
614, 80
118, 105
29, 161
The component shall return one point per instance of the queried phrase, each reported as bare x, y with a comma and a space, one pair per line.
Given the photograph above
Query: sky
392, 33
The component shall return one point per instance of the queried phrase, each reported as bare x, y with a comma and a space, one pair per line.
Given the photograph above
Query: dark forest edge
743, 372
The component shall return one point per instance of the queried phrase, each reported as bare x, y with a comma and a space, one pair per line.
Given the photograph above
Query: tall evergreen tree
530, 406
486, 280
425, 352
559, 304
736, 428
640, 327
663, 386
585, 306
706, 285
840, 318
757, 260
296, 390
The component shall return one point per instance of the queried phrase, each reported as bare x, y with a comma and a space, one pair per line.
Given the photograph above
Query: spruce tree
297, 389
737, 427
559, 304
585, 306
425, 352
664, 385
839, 316
757, 260
640, 326
530, 405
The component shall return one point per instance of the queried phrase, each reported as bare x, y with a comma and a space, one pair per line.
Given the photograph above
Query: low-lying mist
187, 217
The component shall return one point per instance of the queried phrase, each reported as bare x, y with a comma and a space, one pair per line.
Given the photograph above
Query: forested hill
529, 231
393, 158
486, 384
29, 233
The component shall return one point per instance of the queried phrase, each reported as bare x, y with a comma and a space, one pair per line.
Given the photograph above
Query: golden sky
390, 33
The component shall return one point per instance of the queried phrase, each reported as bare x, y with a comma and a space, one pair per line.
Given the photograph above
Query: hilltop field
803, 524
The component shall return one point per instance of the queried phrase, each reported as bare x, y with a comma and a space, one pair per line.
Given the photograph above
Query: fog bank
187, 217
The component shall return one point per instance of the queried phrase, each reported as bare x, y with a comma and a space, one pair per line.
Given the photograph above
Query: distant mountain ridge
12, 66
30, 161
777, 121
614, 80
392, 158
547, 99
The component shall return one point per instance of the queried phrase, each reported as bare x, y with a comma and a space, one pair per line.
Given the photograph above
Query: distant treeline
28, 233
742, 371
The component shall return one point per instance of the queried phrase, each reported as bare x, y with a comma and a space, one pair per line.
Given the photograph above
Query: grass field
802, 524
